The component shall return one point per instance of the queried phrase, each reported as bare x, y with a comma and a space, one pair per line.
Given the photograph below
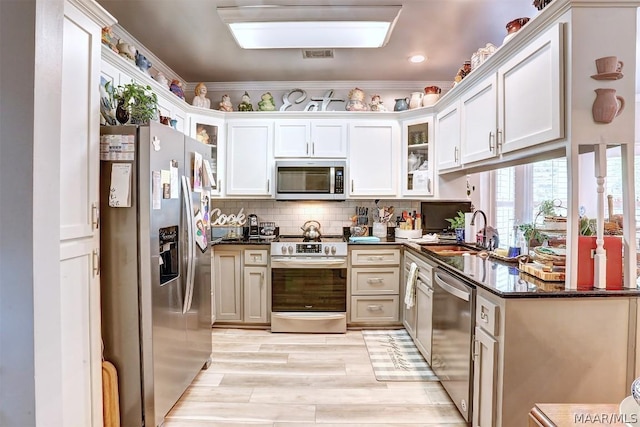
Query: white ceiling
189, 36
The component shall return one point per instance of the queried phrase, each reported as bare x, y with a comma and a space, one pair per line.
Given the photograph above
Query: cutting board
536, 270
110, 398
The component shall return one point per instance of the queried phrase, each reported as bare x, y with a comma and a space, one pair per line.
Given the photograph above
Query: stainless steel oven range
309, 285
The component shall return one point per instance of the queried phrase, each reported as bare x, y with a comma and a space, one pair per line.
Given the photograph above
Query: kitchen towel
410, 291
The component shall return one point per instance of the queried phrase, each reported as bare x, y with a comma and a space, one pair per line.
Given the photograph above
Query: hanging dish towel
410, 292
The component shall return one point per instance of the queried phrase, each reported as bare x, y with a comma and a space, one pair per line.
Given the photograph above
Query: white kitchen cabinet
530, 90
210, 130
479, 116
518, 106
310, 138
447, 138
227, 283
249, 158
79, 303
417, 157
373, 158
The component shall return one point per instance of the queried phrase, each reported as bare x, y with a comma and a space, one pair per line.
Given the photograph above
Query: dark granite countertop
505, 280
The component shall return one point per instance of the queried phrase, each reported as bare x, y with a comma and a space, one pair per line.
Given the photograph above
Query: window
519, 190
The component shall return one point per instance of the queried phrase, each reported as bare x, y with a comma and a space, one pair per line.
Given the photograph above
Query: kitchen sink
451, 250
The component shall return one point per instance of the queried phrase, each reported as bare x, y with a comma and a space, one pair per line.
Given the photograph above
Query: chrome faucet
484, 228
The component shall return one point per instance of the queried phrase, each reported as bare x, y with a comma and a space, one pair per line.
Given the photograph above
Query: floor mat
395, 358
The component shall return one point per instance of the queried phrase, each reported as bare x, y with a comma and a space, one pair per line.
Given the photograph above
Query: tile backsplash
290, 216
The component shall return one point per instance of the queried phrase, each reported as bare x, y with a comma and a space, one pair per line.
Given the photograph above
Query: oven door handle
295, 263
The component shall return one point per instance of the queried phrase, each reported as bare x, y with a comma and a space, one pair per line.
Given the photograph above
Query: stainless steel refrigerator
155, 279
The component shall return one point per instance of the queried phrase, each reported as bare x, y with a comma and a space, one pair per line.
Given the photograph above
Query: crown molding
95, 12
156, 63
367, 85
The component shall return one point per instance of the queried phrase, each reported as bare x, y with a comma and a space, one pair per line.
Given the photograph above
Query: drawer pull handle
375, 280
308, 306
376, 258
377, 307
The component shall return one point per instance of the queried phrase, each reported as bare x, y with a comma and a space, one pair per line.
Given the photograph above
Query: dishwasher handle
452, 285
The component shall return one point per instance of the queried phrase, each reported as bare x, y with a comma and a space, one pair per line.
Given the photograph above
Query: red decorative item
586, 249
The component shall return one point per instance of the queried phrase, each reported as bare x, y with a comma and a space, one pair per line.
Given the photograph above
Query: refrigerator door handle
188, 210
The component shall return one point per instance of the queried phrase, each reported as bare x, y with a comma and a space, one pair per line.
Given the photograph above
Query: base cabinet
530, 350
418, 319
241, 285
375, 286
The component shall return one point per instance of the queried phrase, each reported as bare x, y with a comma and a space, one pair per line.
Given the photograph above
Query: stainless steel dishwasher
453, 325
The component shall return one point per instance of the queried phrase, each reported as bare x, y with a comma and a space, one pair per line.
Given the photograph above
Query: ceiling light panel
283, 35
283, 27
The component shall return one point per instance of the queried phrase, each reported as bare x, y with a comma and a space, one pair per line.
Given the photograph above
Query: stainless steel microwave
310, 180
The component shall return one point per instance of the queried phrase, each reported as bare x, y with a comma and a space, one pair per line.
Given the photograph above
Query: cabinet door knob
307, 148
491, 136
95, 216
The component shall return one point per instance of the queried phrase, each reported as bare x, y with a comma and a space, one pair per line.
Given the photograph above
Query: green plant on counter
531, 234
457, 221
587, 226
140, 101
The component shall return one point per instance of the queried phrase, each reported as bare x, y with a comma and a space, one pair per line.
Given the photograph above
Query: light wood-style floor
258, 378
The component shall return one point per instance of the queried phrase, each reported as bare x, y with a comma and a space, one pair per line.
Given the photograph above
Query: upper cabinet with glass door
208, 130
417, 154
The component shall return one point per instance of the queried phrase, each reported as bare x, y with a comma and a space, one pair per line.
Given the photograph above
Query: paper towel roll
469, 230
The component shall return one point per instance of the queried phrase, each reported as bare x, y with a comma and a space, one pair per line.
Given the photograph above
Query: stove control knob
284, 250
333, 250
326, 250
290, 249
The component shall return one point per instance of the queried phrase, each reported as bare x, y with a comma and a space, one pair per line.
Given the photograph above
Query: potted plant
135, 103
457, 223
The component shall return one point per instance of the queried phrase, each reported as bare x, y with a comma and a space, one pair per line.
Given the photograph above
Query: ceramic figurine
126, 50
225, 104
176, 88
162, 79
142, 62
356, 100
266, 103
202, 135
245, 104
463, 72
201, 100
376, 104
109, 39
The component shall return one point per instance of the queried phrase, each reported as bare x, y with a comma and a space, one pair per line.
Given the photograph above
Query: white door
328, 139
530, 88
292, 138
448, 137
79, 237
249, 158
478, 114
373, 157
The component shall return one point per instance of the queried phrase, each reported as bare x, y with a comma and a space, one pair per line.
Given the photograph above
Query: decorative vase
459, 235
401, 104
122, 115
416, 100
607, 105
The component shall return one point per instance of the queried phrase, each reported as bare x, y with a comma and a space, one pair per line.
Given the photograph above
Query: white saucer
608, 76
631, 411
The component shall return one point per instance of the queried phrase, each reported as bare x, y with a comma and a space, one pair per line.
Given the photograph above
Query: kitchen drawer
368, 281
374, 308
256, 256
487, 315
375, 257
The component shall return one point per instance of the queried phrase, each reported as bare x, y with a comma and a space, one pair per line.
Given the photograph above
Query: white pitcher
416, 100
